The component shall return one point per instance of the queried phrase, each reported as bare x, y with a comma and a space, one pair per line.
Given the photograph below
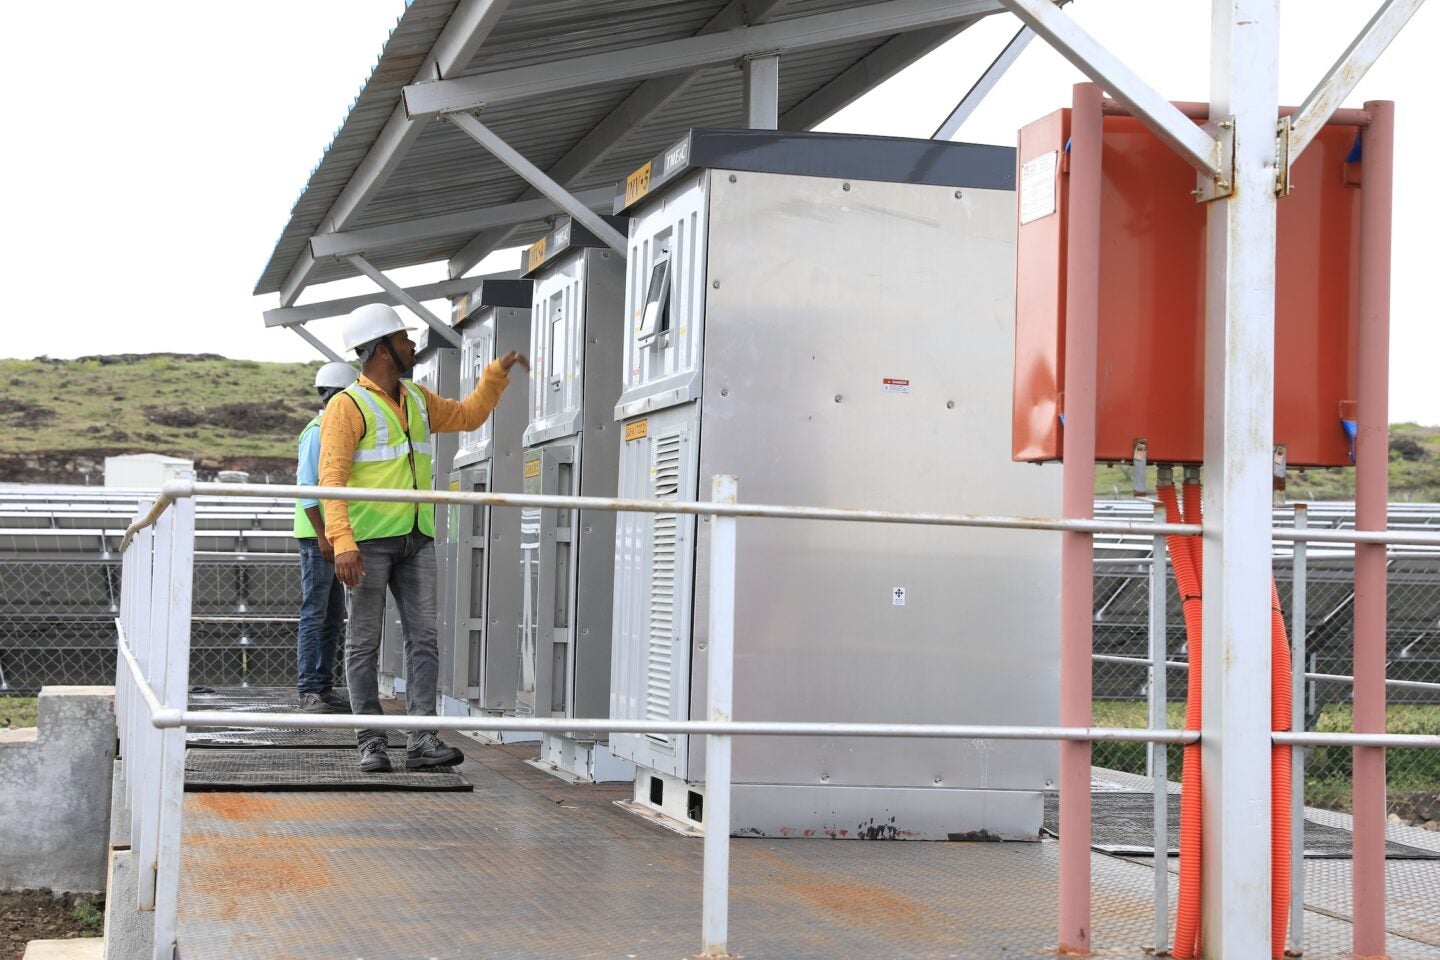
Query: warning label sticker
1037, 187
895, 385
636, 430
532, 469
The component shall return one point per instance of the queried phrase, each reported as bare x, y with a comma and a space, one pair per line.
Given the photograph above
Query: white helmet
369, 323
335, 376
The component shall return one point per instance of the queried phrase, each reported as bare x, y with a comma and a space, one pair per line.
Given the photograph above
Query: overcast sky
156, 148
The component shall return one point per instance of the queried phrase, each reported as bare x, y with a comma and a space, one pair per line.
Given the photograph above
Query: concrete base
129, 933
85, 948
55, 793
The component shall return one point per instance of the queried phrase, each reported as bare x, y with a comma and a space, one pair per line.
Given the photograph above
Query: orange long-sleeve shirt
343, 426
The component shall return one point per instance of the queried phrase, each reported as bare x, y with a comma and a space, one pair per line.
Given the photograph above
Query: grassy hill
59, 419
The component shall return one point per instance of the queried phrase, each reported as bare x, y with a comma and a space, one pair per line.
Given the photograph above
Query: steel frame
982, 87
467, 29
762, 91
536, 177
368, 239
642, 104
432, 98
398, 292
315, 342
296, 316
1236, 158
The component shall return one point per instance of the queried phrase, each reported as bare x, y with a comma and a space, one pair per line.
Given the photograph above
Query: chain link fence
57, 612
60, 589
1121, 631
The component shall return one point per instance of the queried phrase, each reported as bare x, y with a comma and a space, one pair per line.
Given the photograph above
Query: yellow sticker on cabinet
637, 184
537, 254
637, 430
455, 486
532, 469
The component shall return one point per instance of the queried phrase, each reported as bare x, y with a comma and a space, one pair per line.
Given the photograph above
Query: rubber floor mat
278, 738
274, 770
265, 700
1124, 823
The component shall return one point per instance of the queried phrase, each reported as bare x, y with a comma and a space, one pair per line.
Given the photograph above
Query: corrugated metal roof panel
445, 171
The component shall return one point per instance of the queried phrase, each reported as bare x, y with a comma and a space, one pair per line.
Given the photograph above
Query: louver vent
663, 536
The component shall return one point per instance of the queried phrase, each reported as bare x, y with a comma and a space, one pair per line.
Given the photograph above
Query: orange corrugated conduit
1281, 693
1186, 555
1187, 910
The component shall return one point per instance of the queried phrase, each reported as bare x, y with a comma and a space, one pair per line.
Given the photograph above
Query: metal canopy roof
385, 168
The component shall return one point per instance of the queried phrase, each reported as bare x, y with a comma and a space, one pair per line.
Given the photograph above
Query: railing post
1372, 489
720, 682
148, 797
175, 695
1298, 575
1077, 550
1159, 758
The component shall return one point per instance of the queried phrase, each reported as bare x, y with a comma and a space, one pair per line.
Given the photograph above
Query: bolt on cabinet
481, 655
571, 447
830, 319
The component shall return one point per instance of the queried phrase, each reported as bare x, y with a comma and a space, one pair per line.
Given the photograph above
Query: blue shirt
307, 468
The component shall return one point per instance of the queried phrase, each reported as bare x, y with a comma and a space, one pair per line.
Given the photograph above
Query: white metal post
762, 92
138, 636
148, 800
1299, 575
1159, 758
1239, 427
720, 665
175, 695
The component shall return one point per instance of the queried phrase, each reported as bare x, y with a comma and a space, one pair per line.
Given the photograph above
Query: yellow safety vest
304, 529
389, 458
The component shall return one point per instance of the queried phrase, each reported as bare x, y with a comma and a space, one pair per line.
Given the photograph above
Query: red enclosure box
1150, 376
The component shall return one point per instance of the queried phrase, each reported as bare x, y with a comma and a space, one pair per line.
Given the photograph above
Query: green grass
17, 712
89, 916
196, 407
1414, 472
1327, 769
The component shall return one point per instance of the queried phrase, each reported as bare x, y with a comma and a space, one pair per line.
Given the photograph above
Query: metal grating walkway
529, 867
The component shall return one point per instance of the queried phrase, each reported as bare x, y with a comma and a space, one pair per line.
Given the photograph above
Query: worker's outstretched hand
349, 568
512, 358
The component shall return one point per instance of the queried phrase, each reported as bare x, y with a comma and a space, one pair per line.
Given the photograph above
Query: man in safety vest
322, 598
377, 433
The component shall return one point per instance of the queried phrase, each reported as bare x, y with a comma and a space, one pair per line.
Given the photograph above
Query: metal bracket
1139, 462
1282, 157
1218, 187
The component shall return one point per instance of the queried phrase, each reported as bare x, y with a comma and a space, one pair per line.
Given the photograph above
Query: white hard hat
369, 323
335, 376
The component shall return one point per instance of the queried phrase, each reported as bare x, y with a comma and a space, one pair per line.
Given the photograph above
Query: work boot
339, 702
373, 757
430, 751
316, 703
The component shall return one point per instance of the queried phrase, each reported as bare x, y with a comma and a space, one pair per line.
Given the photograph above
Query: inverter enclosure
571, 448
1151, 335
482, 650
834, 340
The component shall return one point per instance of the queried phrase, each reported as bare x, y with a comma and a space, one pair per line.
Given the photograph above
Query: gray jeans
407, 566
